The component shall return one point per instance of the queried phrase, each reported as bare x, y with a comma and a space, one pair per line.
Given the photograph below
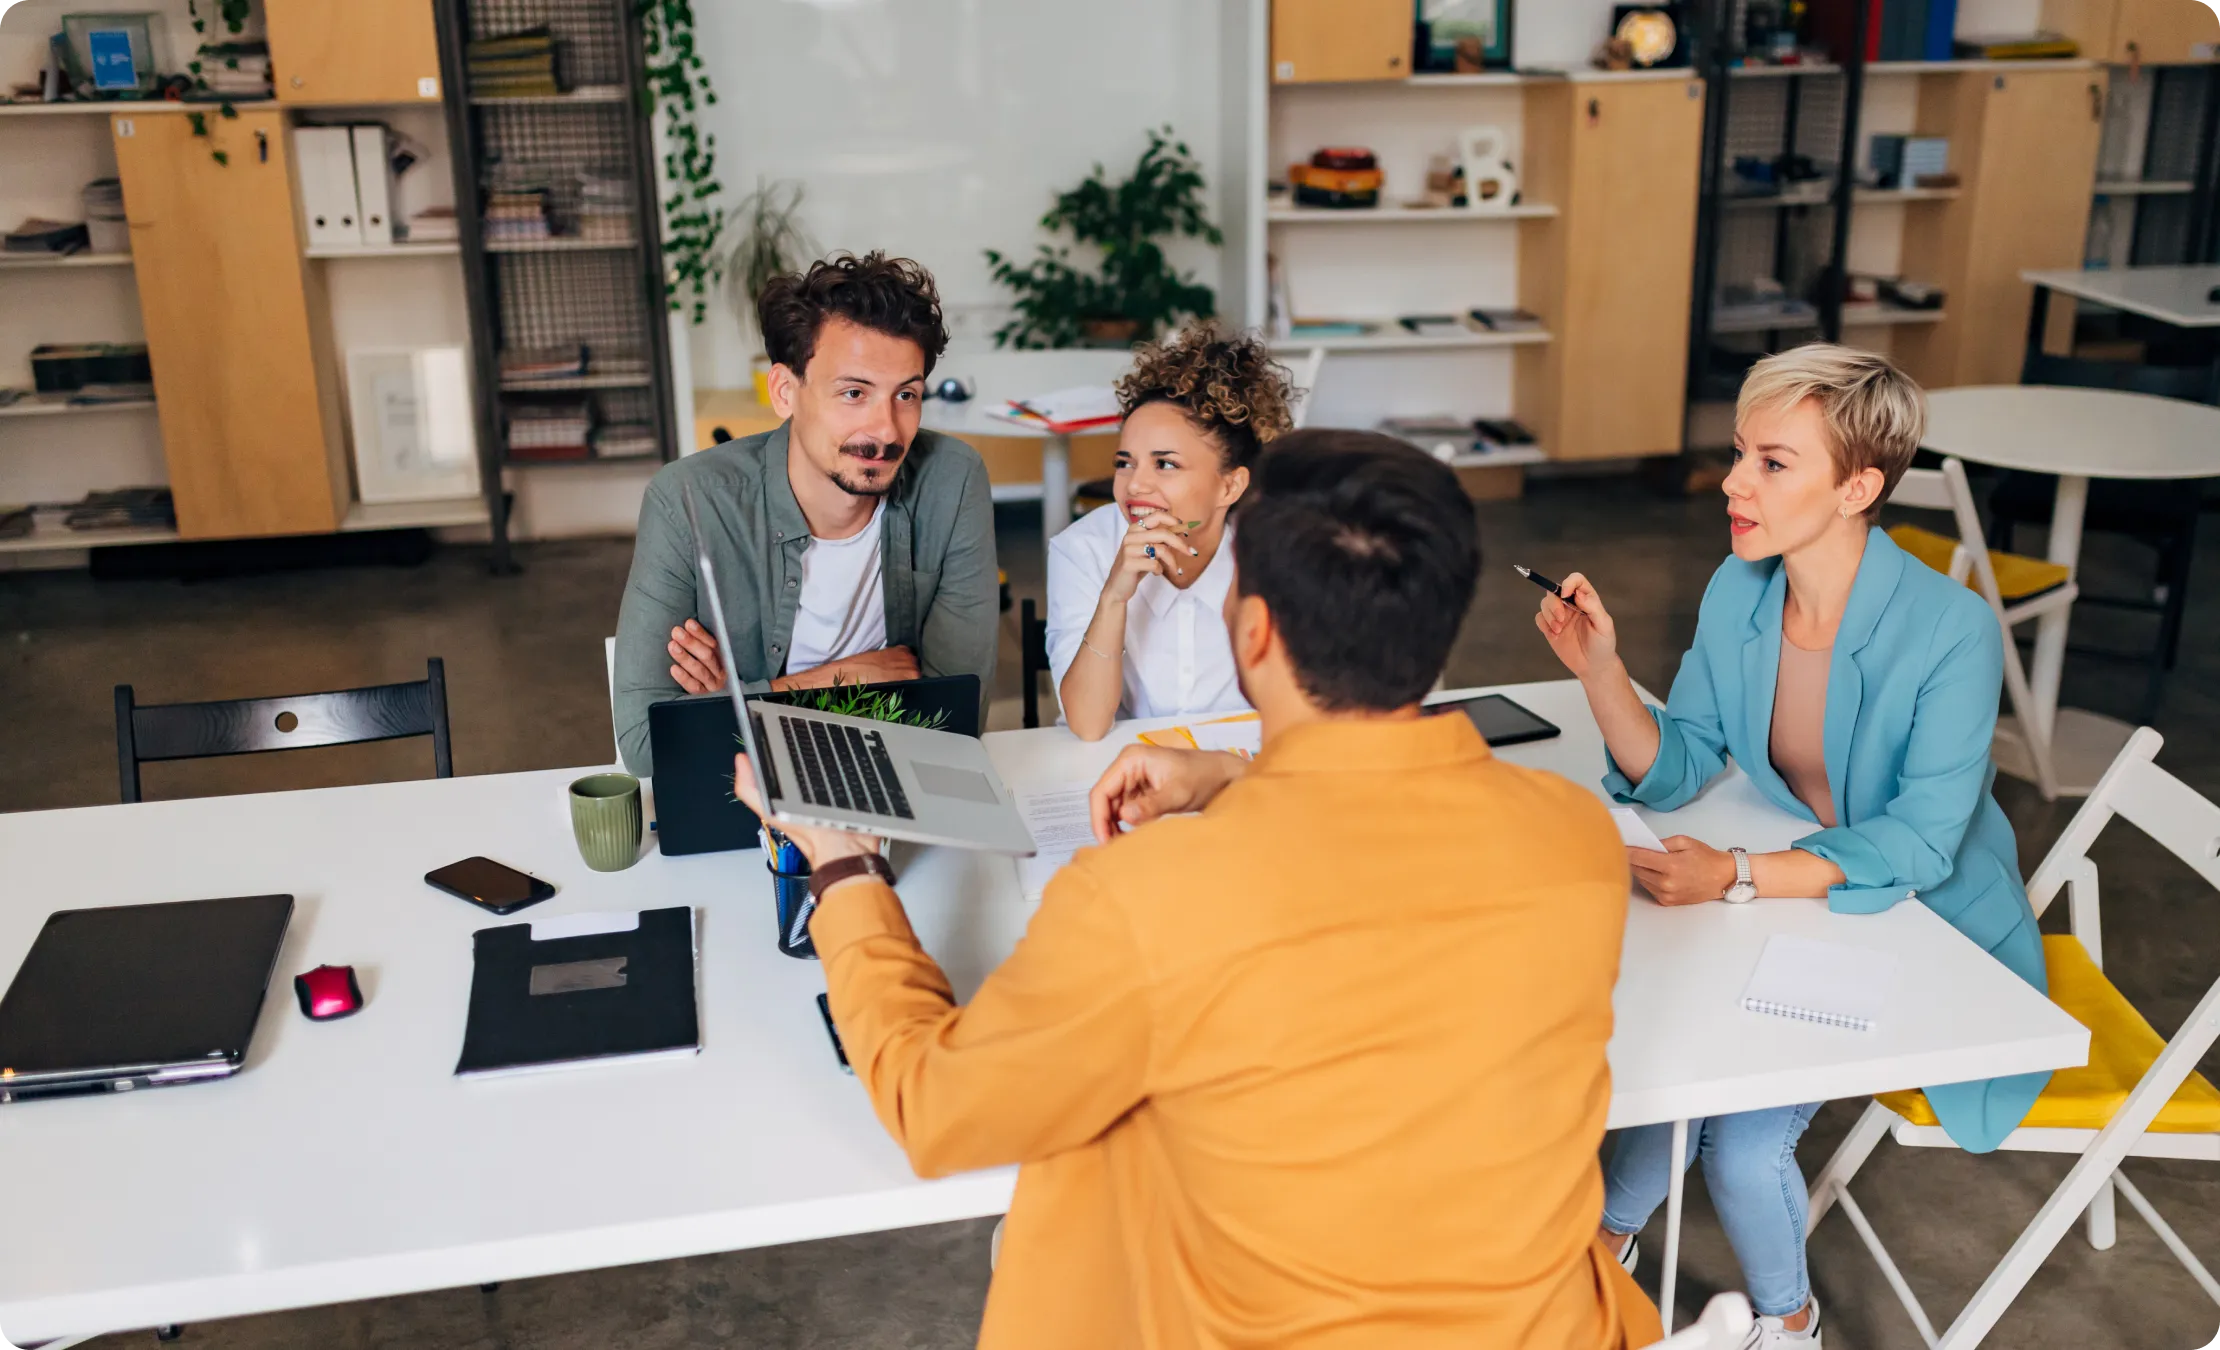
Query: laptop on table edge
851, 773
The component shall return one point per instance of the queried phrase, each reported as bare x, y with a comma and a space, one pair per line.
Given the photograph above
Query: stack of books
525, 365
520, 65
433, 225
122, 509
236, 69
624, 440
561, 430
517, 215
45, 237
604, 209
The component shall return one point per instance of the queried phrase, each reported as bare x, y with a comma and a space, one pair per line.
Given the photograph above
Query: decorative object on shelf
112, 55
513, 65
678, 88
106, 229
413, 427
1463, 36
2039, 46
38, 236
1655, 35
1491, 185
769, 240
1911, 161
1445, 438
1339, 178
233, 14
1137, 293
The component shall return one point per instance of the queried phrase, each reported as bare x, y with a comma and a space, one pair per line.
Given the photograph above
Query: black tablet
1500, 721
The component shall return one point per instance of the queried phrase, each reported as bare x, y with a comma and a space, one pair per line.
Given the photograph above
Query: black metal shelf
588, 153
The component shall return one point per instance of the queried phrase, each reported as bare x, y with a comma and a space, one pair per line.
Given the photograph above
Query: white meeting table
347, 1162
2075, 434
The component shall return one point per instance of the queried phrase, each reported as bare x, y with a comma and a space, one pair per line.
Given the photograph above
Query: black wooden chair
2161, 516
250, 726
1032, 658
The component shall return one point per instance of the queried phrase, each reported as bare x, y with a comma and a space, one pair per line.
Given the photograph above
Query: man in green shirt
850, 545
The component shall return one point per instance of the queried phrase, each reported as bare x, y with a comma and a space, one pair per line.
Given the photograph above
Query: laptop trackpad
963, 784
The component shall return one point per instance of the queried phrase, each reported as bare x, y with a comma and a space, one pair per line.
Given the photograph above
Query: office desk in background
347, 1162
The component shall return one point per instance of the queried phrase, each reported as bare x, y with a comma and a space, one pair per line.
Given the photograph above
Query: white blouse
1178, 661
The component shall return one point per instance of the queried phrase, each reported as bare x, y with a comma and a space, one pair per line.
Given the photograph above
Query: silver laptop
851, 773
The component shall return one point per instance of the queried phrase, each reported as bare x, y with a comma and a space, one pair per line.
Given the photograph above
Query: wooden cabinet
2024, 145
1611, 276
2161, 31
353, 51
2127, 32
1315, 41
231, 325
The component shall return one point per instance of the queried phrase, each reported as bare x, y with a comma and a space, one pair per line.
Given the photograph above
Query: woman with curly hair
1136, 589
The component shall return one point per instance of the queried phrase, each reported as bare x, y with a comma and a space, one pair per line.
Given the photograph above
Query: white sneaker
1631, 1253
1768, 1333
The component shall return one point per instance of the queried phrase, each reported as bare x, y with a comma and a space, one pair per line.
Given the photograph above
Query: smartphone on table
490, 885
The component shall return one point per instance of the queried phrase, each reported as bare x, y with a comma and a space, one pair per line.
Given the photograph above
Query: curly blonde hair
1229, 387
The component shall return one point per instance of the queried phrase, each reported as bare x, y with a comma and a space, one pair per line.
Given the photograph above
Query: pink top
1799, 744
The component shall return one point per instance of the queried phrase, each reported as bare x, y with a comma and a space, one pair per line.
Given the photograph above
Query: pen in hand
1544, 582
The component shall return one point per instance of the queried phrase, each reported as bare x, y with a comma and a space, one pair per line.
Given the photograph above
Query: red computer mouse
328, 993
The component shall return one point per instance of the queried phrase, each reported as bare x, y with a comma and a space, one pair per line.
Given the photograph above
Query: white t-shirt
843, 603
1178, 661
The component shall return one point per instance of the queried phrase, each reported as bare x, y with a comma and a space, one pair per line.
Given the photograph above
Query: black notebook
578, 988
695, 738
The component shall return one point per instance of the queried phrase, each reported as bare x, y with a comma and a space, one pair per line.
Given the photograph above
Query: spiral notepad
1824, 982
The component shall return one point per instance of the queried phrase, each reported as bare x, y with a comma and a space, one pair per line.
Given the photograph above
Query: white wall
939, 128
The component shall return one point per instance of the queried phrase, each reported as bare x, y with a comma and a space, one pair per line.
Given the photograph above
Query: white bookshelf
442, 250
34, 407
16, 262
1397, 339
1282, 214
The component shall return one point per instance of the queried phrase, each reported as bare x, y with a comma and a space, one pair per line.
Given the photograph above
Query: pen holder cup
791, 895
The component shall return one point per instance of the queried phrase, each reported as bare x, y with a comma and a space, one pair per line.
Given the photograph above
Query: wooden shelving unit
1598, 244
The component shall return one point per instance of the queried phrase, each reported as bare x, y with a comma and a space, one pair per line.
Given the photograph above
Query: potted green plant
768, 240
1135, 293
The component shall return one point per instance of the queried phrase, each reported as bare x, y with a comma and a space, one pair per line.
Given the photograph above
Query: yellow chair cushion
2122, 1047
2017, 577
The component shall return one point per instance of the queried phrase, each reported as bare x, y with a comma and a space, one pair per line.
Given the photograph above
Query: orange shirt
1320, 1067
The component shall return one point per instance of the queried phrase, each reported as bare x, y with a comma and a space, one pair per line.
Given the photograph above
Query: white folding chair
1725, 1322
2038, 588
609, 660
2139, 1095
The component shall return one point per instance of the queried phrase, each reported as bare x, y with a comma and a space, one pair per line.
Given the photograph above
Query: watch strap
1741, 866
823, 879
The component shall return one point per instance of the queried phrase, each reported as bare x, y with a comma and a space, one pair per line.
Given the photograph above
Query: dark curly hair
1229, 387
893, 296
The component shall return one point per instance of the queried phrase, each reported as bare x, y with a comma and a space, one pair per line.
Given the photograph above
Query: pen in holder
790, 889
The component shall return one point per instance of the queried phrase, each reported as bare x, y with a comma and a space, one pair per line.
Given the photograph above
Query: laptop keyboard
843, 767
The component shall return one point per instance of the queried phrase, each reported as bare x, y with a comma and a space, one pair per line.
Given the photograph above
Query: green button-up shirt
939, 573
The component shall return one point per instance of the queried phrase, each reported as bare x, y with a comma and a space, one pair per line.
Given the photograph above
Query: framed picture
1464, 35
414, 434
112, 55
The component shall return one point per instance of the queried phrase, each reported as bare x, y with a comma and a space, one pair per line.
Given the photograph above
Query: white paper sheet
1061, 826
1634, 831
1245, 737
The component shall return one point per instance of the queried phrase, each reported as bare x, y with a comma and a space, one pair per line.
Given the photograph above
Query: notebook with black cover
578, 988
695, 738
137, 996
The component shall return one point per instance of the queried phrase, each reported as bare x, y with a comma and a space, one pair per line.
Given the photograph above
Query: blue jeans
1750, 1170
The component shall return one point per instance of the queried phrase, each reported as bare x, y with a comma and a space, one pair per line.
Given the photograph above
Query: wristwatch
1744, 890
823, 879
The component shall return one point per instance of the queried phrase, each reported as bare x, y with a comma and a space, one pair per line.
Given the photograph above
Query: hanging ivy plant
678, 88
233, 15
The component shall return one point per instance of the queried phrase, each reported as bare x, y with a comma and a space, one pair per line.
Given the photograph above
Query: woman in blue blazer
1858, 689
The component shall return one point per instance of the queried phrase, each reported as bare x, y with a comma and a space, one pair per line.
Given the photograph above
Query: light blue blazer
1911, 704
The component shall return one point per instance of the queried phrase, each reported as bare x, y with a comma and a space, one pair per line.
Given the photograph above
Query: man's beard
887, 454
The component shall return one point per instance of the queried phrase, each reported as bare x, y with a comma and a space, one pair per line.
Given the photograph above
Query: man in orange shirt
1322, 1066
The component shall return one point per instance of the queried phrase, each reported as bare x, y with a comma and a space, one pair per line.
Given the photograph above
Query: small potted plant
768, 240
1135, 294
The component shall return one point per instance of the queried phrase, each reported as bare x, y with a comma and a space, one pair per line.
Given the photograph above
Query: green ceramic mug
605, 815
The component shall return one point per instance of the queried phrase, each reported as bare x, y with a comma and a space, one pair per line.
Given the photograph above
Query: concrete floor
526, 691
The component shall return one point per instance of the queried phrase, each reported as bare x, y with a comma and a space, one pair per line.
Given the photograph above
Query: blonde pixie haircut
1875, 414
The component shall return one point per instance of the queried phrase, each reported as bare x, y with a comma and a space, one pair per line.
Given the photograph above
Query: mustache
878, 451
